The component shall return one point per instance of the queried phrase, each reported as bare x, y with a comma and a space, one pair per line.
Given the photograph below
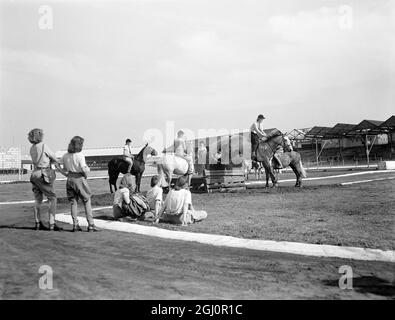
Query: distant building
10, 158
98, 158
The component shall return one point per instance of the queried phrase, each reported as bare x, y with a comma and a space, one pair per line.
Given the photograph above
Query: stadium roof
339, 130
317, 132
389, 123
367, 126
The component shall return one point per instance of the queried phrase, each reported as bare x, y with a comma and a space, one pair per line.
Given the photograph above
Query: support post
367, 149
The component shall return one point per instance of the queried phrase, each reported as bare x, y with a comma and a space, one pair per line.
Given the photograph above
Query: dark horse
266, 149
118, 165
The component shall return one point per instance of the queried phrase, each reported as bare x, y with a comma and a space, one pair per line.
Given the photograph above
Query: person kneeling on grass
77, 185
178, 207
155, 198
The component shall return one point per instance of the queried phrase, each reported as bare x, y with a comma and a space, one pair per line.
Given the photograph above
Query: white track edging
325, 177
364, 181
227, 241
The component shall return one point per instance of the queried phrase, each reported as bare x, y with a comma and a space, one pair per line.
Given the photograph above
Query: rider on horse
127, 154
258, 134
181, 150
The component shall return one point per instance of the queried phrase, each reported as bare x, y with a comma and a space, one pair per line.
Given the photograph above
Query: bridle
277, 144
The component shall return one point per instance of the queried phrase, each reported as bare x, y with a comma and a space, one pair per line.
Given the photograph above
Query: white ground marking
364, 181
328, 177
19, 202
227, 241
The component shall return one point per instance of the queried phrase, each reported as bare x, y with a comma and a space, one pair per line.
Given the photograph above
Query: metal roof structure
317, 132
340, 130
367, 127
298, 134
389, 123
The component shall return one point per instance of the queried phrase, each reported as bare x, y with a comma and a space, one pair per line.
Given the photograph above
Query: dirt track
122, 266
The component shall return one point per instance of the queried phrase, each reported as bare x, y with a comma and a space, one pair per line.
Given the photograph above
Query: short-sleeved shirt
153, 195
176, 199
41, 159
256, 125
121, 195
127, 151
75, 162
179, 147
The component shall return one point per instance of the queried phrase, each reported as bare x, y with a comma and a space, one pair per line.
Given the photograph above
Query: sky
111, 70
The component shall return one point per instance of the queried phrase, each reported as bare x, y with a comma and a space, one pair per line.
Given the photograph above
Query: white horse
171, 164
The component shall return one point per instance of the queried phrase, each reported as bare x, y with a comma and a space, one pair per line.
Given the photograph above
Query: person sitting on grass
122, 197
178, 207
155, 197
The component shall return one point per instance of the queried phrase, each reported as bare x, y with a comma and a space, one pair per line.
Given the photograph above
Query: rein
277, 144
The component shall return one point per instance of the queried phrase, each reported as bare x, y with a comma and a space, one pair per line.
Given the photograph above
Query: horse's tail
302, 169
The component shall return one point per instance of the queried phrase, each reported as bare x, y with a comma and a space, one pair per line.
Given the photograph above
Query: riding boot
280, 165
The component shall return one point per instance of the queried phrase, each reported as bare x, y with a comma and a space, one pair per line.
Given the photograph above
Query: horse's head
148, 150
270, 143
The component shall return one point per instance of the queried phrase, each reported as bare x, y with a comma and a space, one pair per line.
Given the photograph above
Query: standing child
155, 196
43, 178
77, 186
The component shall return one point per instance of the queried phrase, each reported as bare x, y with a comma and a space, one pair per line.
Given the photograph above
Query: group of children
177, 208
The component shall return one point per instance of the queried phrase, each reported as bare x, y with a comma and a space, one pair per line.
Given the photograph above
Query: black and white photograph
213, 151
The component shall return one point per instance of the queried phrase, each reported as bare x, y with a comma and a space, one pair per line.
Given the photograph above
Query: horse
266, 149
171, 164
118, 165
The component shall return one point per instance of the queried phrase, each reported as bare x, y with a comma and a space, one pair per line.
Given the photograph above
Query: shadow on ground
369, 284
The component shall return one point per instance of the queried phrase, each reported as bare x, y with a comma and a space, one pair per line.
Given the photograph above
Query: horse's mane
273, 134
140, 154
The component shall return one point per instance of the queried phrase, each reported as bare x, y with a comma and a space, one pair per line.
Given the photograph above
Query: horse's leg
189, 180
138, 182
299, 174
169, 176
113, 181
267, 177
273, 177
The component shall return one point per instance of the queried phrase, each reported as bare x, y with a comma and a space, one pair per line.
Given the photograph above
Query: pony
171, 164
118, 165
266, 149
